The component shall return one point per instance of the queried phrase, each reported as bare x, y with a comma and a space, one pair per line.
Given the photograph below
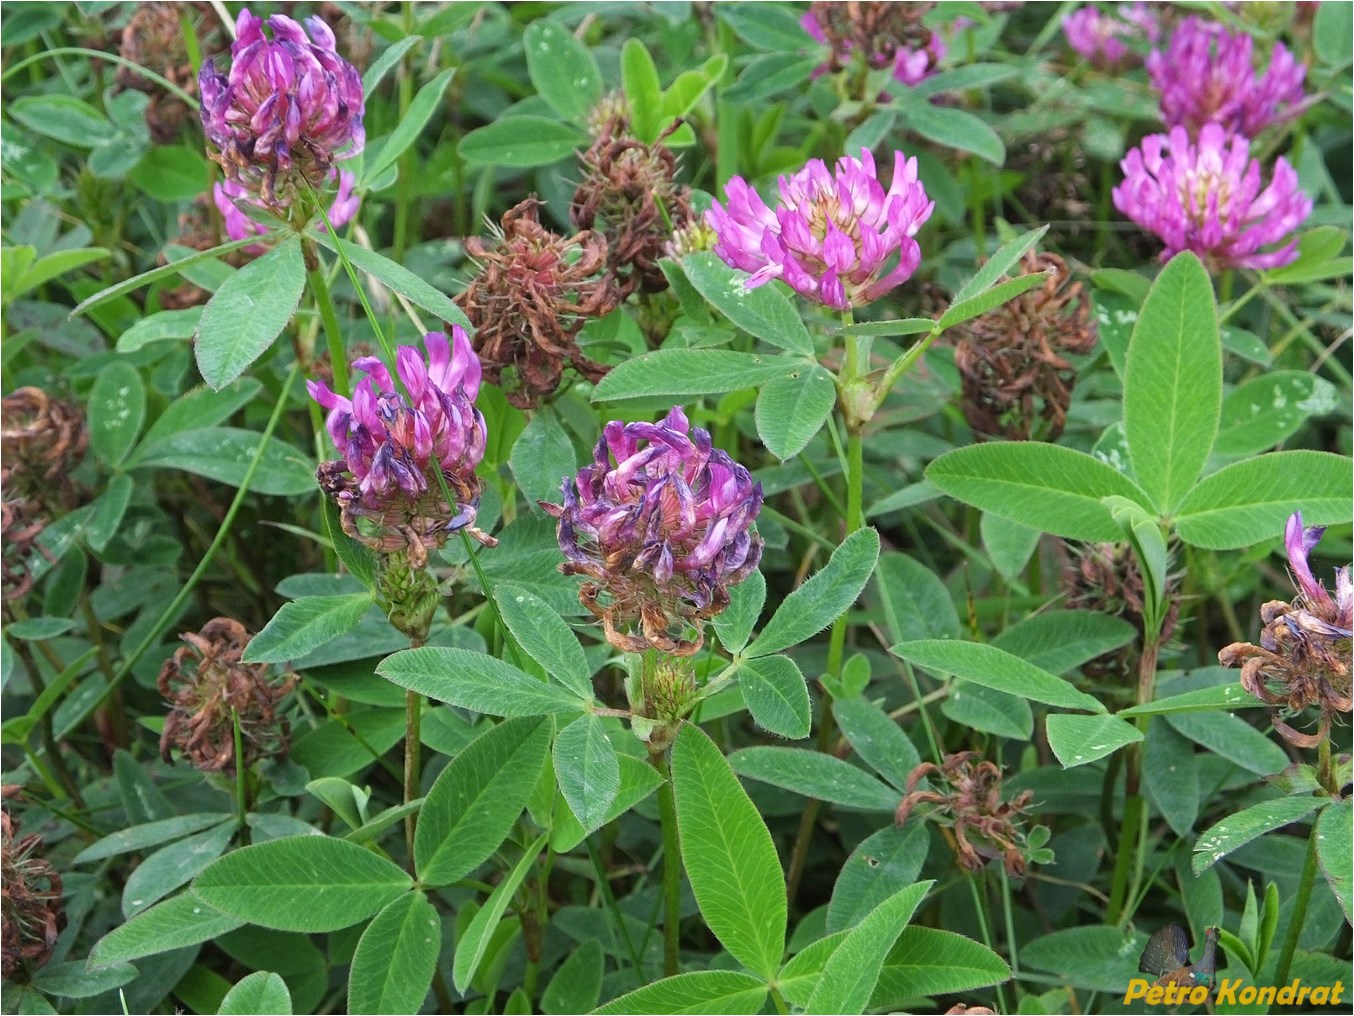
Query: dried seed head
154, 38
629, 192
534, 292
42, 440
208, 688
30, 901
1303, 659
969, 802
22, 524
1011, 359
1105, 578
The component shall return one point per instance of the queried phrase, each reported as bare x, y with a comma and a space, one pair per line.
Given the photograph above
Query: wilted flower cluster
1107, 579
630, 193
835, 237
985, 826
42, 439
661, 524
288, 108
1303, 659
394, 443
154, 39
534, 292
887, 35
1208, 197
1206, 74
31, 908
209, 688
229, 197
1099, 36
1012, 362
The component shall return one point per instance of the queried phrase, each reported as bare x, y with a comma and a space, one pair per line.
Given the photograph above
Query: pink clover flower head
1207, 197
1206, 74
661, 523
1337, 612
1099, 37
392, 440
833, 236
287, 109
229, 196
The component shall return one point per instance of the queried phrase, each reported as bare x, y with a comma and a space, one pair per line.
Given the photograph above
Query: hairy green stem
672, 867
620, 933
1130, 857
413, 715
241, 780
333, 334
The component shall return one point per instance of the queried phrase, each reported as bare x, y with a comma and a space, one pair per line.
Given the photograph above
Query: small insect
1167, 956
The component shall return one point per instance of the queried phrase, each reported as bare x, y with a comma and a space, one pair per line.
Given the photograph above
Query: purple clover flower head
1337, 612
1206, 74
229, 198
393, 441
661, 523
1207, 198
833, 235
288, 108
1099, 37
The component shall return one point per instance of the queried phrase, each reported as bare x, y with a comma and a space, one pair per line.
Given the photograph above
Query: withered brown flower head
154, 39
21, 524
969, 802
1011, 359
629, 191
1105, 578
1303, 659
534, 292
205, 682
42, 440
883, 32
30, 900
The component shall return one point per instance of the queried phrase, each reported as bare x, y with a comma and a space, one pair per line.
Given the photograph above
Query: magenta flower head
1099, 37
288, 108
1206, 74
394, 441
661, 523
229, 198
835, 237
1207, 198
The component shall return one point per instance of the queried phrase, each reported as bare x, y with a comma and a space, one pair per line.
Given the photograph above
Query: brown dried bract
629, 192
42, 440
985, 826
1302, 662
1011, 359
208, 686
30, 900
534, 292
